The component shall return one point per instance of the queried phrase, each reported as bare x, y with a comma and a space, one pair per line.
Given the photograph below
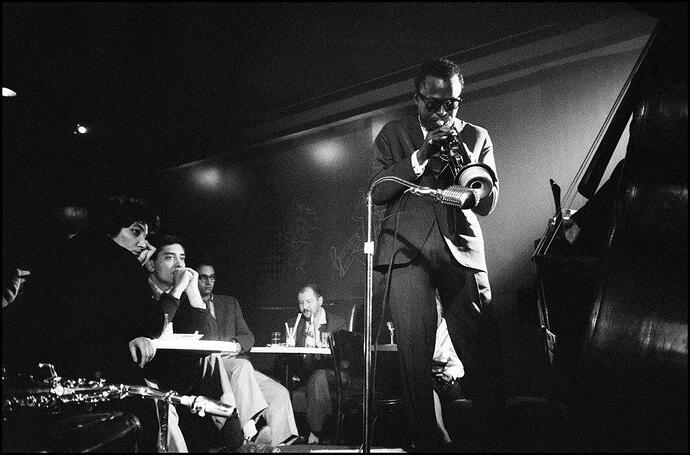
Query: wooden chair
347, 311
347, 350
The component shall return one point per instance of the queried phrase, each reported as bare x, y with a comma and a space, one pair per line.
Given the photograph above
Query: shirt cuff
418, 168
455, 371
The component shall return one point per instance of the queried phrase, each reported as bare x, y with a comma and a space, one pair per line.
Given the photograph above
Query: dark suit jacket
231, 323
228, 325
303, 367
333, 324
85, 307
415, 215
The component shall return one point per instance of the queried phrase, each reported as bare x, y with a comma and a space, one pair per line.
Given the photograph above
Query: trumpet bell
477, 176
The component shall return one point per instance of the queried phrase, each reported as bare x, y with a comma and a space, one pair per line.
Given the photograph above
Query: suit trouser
214, 384
175, 439
279, 415
465, 296
250, 400
256, 392
318, 398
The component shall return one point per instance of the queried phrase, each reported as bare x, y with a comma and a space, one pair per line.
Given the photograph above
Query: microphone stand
458, 196
369, 251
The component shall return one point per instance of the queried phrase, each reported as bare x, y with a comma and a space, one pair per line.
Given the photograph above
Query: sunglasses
434, 104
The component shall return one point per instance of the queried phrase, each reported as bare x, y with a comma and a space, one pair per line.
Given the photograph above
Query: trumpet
478, 177
451, 151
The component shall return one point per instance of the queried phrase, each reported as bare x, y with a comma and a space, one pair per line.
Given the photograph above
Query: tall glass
290, 336
323, 342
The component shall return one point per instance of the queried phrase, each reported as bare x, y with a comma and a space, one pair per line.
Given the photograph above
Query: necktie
441, 170
437, 165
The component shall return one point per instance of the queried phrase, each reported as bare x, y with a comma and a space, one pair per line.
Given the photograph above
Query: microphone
455, 195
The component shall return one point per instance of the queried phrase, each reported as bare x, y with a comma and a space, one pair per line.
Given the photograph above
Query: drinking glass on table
391, 329
290, 335
275, 338
324, 339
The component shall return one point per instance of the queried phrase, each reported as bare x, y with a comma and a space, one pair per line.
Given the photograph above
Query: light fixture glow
327, 153
210, 177
8, 92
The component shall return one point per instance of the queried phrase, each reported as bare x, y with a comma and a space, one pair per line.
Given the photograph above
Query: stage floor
316, 448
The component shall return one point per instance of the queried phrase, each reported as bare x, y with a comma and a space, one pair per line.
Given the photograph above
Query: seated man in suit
313, 368
183, 371
257, 395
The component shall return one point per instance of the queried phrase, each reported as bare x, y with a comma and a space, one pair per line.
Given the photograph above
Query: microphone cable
386, 296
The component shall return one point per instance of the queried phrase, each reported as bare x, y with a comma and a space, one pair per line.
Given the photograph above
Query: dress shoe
263, 436
313, 439
252, 447
298, 441
294, 439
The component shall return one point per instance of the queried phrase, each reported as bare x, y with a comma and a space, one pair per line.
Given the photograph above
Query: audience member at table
315, 370
257, 395
89, 311
12, 286
190, 372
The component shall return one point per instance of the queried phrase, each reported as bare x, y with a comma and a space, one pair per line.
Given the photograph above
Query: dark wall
294, 211
278, 216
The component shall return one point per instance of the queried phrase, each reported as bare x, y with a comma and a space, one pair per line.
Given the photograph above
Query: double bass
614, 311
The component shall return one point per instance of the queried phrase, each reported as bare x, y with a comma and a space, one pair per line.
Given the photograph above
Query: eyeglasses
207, 278
434, 104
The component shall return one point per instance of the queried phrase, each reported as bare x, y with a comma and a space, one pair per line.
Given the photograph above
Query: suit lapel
221, 316
324, 327
414, 131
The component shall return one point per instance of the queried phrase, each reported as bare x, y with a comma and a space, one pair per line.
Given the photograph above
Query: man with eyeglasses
258, 396
424, 246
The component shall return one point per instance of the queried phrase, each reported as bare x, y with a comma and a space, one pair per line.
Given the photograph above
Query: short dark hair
204, 260
442, 68
313, 287
113, 213
160, 240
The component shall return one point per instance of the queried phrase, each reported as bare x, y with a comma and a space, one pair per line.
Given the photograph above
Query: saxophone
55, 395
